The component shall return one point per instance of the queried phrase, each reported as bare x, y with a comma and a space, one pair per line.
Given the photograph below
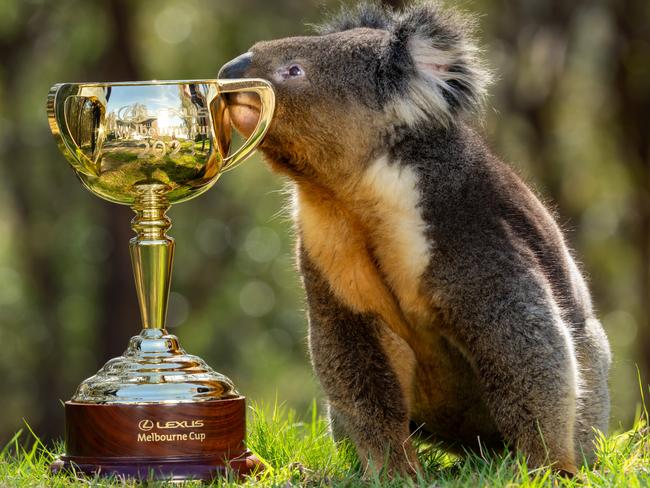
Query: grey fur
516, 353
350, 363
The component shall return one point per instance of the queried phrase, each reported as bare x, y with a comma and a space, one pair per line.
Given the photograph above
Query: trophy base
158, 441
179, 469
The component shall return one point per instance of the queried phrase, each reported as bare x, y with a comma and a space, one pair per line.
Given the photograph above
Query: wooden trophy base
161, 441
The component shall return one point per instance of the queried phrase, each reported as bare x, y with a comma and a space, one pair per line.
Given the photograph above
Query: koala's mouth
244, 110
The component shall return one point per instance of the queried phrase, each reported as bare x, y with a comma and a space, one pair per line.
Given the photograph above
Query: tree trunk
631, 82
36, 261
119, 318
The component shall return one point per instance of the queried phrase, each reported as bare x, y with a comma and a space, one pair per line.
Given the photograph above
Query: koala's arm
366, 402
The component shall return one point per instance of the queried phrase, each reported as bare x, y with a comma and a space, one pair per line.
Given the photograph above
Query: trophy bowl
155, 411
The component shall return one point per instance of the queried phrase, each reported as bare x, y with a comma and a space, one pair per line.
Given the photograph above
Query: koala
441, 294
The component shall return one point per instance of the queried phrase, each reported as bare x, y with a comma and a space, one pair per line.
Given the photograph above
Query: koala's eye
290, 72
295, 70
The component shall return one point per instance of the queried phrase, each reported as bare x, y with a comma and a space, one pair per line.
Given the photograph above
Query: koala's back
479, 211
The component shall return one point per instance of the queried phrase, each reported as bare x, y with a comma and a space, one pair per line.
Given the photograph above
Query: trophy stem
152, 254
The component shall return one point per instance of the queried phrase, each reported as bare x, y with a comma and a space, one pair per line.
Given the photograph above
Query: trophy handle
76, 140
264, 90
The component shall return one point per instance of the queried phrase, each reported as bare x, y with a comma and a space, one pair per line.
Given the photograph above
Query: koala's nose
237, 67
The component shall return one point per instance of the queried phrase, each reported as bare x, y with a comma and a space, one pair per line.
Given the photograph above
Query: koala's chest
374, 251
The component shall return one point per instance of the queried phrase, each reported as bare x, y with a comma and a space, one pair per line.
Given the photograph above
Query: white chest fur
397, 230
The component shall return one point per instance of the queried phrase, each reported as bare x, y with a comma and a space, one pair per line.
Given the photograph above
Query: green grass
301, 453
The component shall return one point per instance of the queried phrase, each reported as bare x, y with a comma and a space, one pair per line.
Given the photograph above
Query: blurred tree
543, 36
631, 80
117, 301
36, 258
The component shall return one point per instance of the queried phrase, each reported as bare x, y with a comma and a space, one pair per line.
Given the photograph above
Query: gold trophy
155, 411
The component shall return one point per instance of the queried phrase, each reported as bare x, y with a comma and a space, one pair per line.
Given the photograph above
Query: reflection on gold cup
148, 145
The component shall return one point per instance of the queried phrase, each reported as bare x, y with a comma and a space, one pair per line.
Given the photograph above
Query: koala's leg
524, 357
336, 422
366, 401
594, 360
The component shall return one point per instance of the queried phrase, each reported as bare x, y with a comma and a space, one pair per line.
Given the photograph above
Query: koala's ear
365, 14
445, 75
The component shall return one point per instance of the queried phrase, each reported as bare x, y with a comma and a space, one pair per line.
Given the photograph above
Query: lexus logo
145, 425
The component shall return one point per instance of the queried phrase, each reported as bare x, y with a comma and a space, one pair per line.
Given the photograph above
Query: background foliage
571, 110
